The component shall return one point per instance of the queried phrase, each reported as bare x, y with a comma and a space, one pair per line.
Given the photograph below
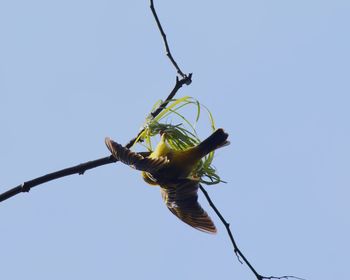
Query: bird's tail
217, 140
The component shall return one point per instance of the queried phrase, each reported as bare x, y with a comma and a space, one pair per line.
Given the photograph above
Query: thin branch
167, 49
237, 251
185, 79
78, 169
179, 83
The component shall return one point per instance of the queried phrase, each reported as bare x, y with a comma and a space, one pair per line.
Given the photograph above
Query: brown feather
181, 198
135, 160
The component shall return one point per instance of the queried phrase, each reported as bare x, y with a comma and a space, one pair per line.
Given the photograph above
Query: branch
167, 49
237, 251
185, 79
179, 83
78, 169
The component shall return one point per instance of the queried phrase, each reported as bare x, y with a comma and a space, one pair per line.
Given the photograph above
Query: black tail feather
217, 140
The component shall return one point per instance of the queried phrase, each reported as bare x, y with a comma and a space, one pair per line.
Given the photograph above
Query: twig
237, 251
179, 83
167, 49
78, 169
185, 79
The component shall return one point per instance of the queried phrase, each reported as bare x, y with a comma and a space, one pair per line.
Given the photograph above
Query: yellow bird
172, 171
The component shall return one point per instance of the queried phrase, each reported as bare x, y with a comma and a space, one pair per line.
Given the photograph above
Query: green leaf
181, 136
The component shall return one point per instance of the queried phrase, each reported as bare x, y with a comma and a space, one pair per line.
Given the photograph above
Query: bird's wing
182, 200
135, 160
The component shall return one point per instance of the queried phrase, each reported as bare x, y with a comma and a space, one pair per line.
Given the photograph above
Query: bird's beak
163, 136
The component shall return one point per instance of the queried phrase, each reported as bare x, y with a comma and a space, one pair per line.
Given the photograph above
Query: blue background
275, 74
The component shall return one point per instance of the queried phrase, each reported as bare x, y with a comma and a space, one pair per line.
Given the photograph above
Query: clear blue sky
275, 74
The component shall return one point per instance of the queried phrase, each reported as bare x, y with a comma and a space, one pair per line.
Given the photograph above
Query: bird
172, 170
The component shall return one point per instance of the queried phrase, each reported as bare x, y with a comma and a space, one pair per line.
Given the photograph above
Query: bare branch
179, 83
162, 106
237, 251
167, 49
78, 169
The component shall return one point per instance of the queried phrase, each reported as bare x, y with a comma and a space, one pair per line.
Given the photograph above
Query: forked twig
162, 106
237, 251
